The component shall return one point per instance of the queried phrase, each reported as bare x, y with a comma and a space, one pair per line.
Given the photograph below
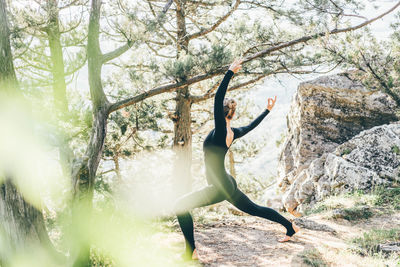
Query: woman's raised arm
219, 118
241, 131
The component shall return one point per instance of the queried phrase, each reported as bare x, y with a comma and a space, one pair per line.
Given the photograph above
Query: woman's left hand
236, 65
271, 103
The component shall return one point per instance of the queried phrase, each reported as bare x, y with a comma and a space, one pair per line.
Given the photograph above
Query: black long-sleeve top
214, 145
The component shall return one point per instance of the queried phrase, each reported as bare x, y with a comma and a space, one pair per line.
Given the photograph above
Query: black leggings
211, 195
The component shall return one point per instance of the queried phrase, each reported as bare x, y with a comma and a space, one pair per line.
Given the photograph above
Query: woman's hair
229, 107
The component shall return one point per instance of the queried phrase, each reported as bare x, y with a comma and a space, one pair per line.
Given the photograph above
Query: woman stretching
221, 185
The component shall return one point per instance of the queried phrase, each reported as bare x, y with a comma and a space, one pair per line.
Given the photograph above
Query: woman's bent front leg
207, 196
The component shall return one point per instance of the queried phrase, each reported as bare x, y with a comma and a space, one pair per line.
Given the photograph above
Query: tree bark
21, 224
182, 119
84, 175
56, 55
117, 167
183, 141
8, 79
59, 86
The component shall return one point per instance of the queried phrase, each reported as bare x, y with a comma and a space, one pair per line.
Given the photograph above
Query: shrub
312, 257
368, 244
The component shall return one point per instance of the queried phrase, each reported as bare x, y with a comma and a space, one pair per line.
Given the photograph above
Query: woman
221, 185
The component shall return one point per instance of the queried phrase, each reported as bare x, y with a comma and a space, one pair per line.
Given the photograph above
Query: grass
347, 257
312, 257
387, 197
368, 244
360, 205
356, 213
353, 204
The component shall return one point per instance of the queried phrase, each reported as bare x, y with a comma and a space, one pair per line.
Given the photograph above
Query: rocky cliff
327, 148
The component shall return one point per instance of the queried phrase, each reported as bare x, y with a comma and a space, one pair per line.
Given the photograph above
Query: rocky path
254, 242
250, 241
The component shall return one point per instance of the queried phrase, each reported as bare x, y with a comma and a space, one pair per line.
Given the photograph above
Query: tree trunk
84, 179
182, 118
183, 141
84, 175
21, 224
117, 167
56, 55
59, 85
8, 79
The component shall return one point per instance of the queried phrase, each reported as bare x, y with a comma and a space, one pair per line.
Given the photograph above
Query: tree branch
167, 6
173, 86
156, 51
385, 86
314, 36
222, 19
116, 53
76, 68
196, 99
201, 3
158, 18
119, 51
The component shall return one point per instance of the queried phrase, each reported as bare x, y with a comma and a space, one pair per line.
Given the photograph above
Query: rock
311, 225
338, 214
328, 147
373, 161
390, 247
272, 199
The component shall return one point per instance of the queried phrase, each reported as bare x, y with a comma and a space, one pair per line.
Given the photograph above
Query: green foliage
317, 209
346, 151
312, 257
396, 150
124, 137
376, 61
359, 205
356, 213
99, 258
368, 243
389, 197
209, 59
102, 186
180, 69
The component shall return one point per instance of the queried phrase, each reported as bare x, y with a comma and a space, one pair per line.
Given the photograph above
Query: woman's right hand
271, 103
236, 65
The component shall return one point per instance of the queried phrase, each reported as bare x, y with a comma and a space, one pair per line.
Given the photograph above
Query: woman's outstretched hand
236, 65
271, 103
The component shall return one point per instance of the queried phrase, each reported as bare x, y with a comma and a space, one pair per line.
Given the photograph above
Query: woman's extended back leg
242, 202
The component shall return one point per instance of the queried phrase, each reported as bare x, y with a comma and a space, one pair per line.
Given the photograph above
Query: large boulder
326, 113
369, 159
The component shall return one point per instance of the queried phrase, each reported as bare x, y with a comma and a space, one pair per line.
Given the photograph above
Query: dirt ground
252, 241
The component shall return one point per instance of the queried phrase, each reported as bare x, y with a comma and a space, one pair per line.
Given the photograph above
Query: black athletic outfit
221, 185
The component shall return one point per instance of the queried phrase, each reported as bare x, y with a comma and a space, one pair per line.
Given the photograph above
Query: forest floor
240, 240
